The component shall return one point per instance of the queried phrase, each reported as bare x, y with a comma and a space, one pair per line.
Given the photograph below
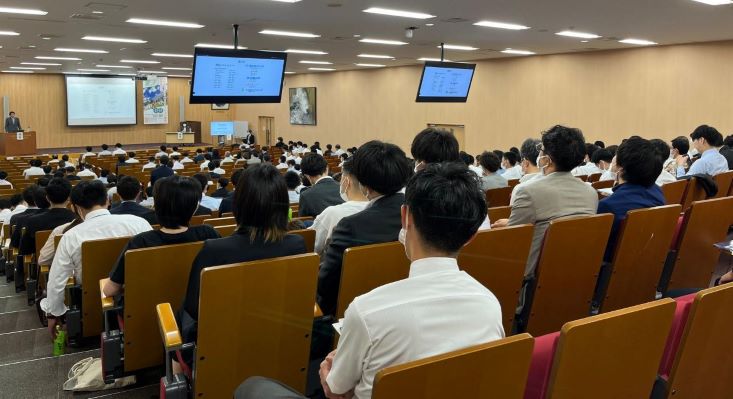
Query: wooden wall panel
39, 100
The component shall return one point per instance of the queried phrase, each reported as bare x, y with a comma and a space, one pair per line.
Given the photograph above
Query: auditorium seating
499, 212
498, 196
723, 180
674, 192
694, 192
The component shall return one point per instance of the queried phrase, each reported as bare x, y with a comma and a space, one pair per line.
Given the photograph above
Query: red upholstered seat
684, 303
674, 245
539, 370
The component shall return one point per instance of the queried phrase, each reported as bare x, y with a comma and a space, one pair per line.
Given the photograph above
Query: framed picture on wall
303, 106
219, 107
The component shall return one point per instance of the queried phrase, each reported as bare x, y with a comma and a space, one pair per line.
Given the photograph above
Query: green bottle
59, 344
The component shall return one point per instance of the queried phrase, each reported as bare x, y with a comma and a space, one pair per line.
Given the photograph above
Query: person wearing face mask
354, 202
434, 145
706, 140
529, 152
661, 149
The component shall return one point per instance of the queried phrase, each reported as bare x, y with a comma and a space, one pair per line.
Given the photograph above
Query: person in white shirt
207, 201
118, 150
338, 151
354, 201
89, 153
161, 152
588, 167
6, 211
3, 179
205, 165
661, 148
512, 168
151, 164
131, 158
228, 158
105, 151
174, 152
706, 140
34, 170
283, 163
298, 158
89, 199
185, 158
177, 165
443, 210
529, 152
85, 171
292, 180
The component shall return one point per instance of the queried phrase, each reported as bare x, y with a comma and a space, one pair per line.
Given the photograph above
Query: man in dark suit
228, 201
727, 150
222, 191
12, 124
382, 170
128, 188
324, 191
57, 194
35, 196
163, 170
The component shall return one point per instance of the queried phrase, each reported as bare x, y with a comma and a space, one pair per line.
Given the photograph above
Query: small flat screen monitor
237, 76
447, 82
222, 128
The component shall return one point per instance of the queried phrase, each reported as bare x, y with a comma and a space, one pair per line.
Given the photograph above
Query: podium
21, 143
180, 138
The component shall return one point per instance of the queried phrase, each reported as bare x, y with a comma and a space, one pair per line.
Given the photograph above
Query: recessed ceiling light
153, 72
16, 71
227, 46
40, 63
582, 35
11, 10
317, 62
113, 39
41, 57
314, 52
714, 2
371, 65
31, 46
80, 50
97, 12
457, 47
429, 24
30, 68
398, 13
140, 62
321, 69
92, 70
160, 22
500, 25
638, 42
386, 57
172, 55
380, 41
287, 33
585, 41
176, 69
289, 73
432, 59
126, 74
114, 66
179, 76
9, 33
46, 38
518, 52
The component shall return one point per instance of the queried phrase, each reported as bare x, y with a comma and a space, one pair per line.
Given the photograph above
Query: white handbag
86, 376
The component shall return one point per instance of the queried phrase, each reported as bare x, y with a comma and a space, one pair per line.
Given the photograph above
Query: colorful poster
155, 100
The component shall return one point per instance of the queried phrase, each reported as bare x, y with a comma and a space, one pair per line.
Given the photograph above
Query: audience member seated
177, 165
186, 159
162, 152
411, 319
324, 191
227, 202
529, 153
199, 156
174, 152
603, 159
3, 179
18, 205
151, 164
207, 201
214, 170
34, 169
382, 170
129, 189
57, 193
35, 196
105, 151
163, 170
292, 179
637, 165
354, 201
222, 191
512, 169
47, 171
85, 171
89, 199
557, 194
205, 164
491, 179
587, 168
6, 208
228, 158
662, 151
89, 153
727, 150
131, 158
176, 200
434, 145
469, 160
283, 163
118, 150
706, 140
71, 173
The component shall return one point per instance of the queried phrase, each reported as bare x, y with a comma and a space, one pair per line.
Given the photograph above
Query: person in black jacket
163, 170
226, 203
382, 170
57, 193
324, 191
35, 196
222, 191
128, 188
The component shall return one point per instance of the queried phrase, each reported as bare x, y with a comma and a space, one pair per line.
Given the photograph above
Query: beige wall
39, 100
654, 92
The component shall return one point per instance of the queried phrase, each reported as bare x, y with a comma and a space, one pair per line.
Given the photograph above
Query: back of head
711, 135
88, 194
70, 170
28, 195
47, 169
236, 175
446, 205
434, 145
105, 147
65, 157
530, 151
511, 157
261, 203
131, 154
37, 163
283, 158
223, 182
118, 145
3, 175
176, 158
213, 165
58, 190
89, 148
151, 159
5, 203
382, 167
590, 149
565, 146
162, 148
638, 162
128, 187
490, 161
466, 158
202, 180
164, 160
292, 180
600, 144
176, 199
16, 199
601, 154
313, 165
661, 148
39, 197
612, 149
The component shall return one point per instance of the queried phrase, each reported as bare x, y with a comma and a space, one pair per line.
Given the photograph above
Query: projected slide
92, 101
226, 76
445, 82
222, 128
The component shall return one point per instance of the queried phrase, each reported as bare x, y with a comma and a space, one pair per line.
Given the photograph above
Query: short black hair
313, 164
118, 145
70, 169
89, 148
466, 158
489, 161
590, 148
292, 180
105, 146
681, 144
5, 203
283, 159
88, 194
434, 145
446, 205
565, 146
15, 199
600, 144
164, 159
382, 167
202, 179
162, 148
728, 141
176, 199
223, 182
131, 154
3, 175
58, 190
47, 169
236, 175
612, 149
261, 203
39, 196
661, 149
213, 165
602, 154
709, 133
128, 187
511, 157
639, 162
65, 157
530, 150
28, 195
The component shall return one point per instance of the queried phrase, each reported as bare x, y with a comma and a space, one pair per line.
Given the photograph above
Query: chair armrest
107, 302
317, 312
168, 326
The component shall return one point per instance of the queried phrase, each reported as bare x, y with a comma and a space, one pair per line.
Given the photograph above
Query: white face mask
342, 191
542, 167
402, 236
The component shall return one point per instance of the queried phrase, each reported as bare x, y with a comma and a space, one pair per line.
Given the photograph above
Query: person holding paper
12, 123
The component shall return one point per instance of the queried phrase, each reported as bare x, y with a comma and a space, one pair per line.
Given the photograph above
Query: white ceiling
338, 21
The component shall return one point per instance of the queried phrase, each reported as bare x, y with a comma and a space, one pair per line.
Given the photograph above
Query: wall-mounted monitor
445, 82
100, 100
237, 76
222, 128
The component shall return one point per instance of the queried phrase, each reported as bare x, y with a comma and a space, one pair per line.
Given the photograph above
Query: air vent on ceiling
49, 36
454, 20
340, 38
89, 17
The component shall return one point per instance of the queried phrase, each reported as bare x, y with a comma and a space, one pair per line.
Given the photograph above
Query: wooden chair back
41, 238
705, 223
220, 221
496, 369
309, 236
582, 177
498, 196
674, 192
367, 267
98, 257
499, 212
694, 192
612, 355
701, 369
226, 231
497, 258
256, 310
567, 271
198, 220
723, 180
592, 178
638, 261
512, 182
152, 276
602, 184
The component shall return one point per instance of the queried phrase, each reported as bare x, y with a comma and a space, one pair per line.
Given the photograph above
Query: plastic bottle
59, 343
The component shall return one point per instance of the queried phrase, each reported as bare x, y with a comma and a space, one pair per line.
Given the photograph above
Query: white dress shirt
174, 153
177, 165
211, 202
132, 160
329, 218
437, 309
219, 171
86, 172
282, 166
5, 183
338, 152
18, 209
588, 169
33, 171
186, 160
204, 165
711, 162
105, 152
87, 154
119, 151
160, 154
664, 178
479, 171
515, 172
227, 160
149, 165
97, 225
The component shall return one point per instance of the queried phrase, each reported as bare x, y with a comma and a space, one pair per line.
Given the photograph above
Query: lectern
21, 143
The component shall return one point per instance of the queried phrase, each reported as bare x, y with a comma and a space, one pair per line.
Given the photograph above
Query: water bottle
59, 343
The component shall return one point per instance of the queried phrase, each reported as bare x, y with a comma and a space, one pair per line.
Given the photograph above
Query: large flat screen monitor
100, 100
222, 128
237, 76
447, 82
